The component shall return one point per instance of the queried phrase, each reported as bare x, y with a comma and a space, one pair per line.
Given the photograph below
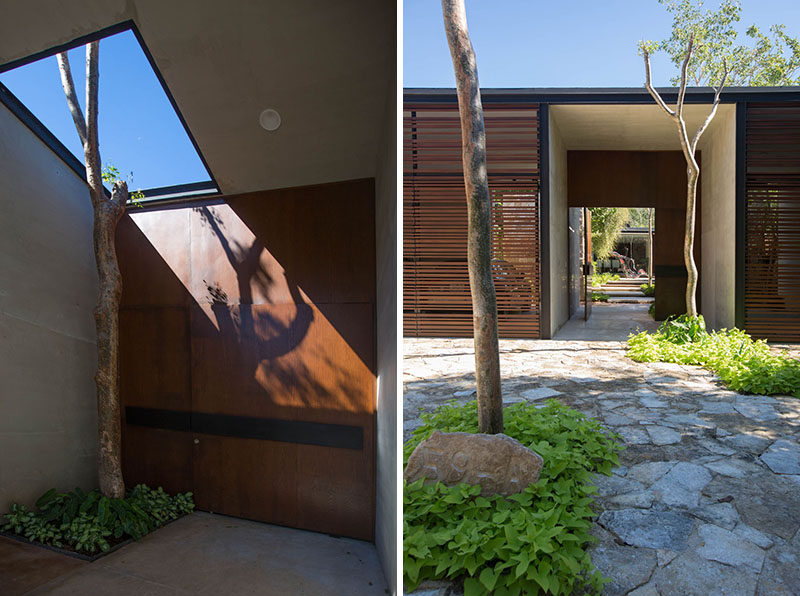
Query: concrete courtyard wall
559, 224
718, 232
48, 286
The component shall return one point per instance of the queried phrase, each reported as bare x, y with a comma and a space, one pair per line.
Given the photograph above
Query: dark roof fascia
604, 95
50, 140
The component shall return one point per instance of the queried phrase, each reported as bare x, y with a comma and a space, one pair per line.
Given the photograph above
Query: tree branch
648, 85
684, 67
72, 97
91, 148
714, 106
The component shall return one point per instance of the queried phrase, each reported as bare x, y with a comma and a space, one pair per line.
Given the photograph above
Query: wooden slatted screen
772, 255
436, 295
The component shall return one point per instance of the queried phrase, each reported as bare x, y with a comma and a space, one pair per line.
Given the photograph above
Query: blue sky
139, 130
557, 43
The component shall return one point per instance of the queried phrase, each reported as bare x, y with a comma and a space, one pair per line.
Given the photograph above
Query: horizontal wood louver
772, 253
436, 295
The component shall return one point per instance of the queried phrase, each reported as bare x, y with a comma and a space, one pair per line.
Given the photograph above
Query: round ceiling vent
270, 119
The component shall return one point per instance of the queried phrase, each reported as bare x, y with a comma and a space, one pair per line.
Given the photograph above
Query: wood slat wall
772, 195
436, 294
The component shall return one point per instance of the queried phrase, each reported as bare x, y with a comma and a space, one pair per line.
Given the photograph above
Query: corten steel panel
279, 324
772, 220
436, 294
643, 179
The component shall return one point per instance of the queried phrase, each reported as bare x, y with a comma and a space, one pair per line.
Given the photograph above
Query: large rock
500, 464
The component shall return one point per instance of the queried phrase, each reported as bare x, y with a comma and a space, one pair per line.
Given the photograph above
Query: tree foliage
607, 224
765, 59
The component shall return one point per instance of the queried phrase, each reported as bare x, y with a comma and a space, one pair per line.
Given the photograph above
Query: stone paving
706, 500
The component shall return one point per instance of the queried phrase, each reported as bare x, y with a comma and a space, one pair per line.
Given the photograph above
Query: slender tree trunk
107, 213
688, 241
473, 141
106, 316
689, 148
650, 245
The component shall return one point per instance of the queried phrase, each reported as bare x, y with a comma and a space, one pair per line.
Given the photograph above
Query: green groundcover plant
601, 279
533, 542
744, 364
600, 297
89, 522
648, 289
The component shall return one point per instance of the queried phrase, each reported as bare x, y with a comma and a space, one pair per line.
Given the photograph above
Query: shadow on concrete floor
609, 322
203, 554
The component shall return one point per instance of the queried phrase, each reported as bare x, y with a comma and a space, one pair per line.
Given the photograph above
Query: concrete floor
609, 322
203, 554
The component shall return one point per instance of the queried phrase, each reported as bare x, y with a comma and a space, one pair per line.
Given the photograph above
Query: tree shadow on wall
269, 332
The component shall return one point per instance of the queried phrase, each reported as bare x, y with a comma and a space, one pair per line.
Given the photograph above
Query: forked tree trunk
107, 213
481, 283
689, 148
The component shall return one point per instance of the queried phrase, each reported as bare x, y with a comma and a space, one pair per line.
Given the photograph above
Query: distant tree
639, 217
473, 142
107, 213
767, 59
607, 224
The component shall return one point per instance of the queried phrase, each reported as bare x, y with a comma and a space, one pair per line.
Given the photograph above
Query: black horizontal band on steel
670, 271
245, 427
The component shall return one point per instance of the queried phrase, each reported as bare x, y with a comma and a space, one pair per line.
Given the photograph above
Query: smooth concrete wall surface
575, 258
717, 233
387, 333
48, 286
559, 228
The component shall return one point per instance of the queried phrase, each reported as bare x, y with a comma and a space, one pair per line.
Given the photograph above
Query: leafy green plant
86, 521
651, 310
600, 297
602, 279
111, 174
648, 290
743, 364
530, 543
683, 329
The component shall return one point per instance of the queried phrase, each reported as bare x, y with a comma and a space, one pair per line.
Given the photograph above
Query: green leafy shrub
648, 290
602, 279
529, 543
651, 310
743, 364
600, 297
85, 521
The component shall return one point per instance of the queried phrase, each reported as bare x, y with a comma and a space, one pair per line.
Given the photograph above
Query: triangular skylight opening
140, 131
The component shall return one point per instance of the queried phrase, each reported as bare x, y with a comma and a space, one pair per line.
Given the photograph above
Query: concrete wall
559, 228
388, 287
717, 233
48, 287
575, 258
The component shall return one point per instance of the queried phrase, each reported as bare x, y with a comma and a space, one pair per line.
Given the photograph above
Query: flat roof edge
603, 94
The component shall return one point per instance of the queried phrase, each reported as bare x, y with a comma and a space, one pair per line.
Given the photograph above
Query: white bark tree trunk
689, 148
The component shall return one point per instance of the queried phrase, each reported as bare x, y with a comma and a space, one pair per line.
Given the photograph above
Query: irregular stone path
706, 500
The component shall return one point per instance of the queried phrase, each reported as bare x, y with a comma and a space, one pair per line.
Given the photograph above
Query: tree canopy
765, 59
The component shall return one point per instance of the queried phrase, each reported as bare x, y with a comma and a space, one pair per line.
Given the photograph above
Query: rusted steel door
587, 262
248, 355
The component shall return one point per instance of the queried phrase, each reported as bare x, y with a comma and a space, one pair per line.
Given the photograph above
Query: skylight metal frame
192, 190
